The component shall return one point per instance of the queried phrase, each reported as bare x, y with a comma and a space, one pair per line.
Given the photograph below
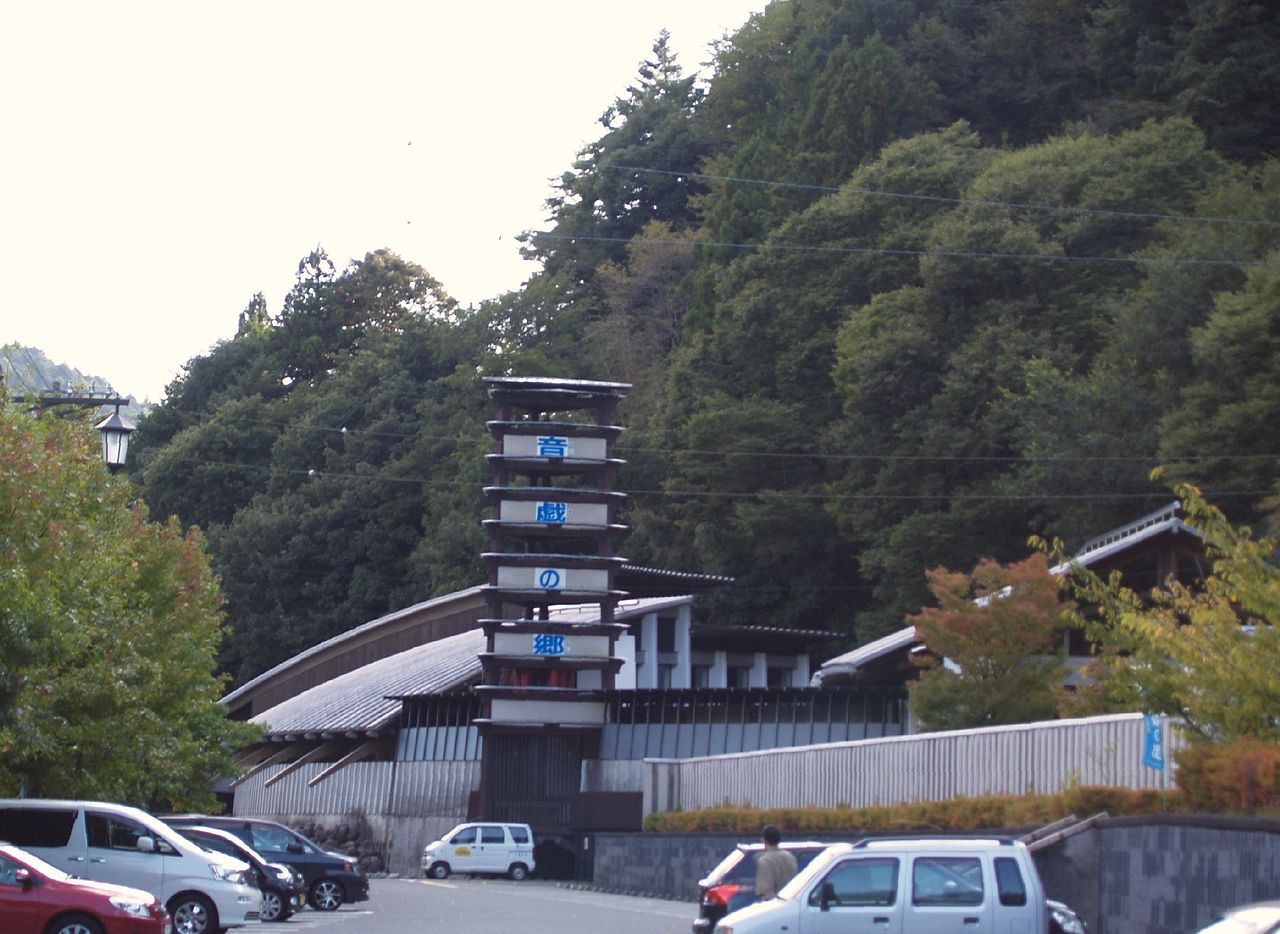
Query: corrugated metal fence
1034, 758
384, 788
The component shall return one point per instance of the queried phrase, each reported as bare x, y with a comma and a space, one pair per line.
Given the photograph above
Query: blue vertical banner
1152, 741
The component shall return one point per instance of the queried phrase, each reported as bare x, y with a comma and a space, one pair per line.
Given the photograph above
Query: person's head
771, 835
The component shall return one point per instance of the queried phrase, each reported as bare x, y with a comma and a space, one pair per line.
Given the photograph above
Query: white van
113, 843
483, 848
917, 885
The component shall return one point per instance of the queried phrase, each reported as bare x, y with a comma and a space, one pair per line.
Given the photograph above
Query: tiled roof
1090, 553
366, 699
348, 636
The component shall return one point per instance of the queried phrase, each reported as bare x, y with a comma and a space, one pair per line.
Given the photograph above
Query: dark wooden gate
534, 778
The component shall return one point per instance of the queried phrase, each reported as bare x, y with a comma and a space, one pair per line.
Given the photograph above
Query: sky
164, 161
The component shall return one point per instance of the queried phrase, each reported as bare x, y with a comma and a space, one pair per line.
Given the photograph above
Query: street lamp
115, 428
115, 439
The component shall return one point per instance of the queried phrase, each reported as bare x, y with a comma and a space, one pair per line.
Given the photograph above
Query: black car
331, 879
732, 884
283, 889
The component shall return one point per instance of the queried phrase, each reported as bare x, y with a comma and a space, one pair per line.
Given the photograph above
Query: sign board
555, 447
554, 512
549, 644
1152, 741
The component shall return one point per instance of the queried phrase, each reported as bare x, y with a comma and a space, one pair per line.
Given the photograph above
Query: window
275, 840
859, 883
701, 676
946, 880
1013, 891
519, 835
666, 635
109, 832
666, 675
464, 837
8, 871
37, 826
779, 677
492, 835
218, 845
739, 676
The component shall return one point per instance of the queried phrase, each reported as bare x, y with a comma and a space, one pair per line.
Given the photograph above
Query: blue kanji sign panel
547, 644
555, 513
1152, 741
553, 446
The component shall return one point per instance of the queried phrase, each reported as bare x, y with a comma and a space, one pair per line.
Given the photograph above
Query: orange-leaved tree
993, 648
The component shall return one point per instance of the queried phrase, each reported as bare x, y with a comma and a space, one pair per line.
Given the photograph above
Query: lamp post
115, 428
115, 439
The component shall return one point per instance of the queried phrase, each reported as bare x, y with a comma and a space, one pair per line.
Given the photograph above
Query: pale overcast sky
165, 160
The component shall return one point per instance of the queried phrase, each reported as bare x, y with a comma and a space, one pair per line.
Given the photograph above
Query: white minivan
203, 891
919, 885
481, 848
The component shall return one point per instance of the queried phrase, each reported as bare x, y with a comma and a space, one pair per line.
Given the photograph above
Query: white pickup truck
911, 885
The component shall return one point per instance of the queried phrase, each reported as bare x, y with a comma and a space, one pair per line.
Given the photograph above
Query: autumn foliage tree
109, 626
1206, 653
991, 642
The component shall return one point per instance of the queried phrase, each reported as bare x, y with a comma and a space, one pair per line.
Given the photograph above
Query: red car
36, 898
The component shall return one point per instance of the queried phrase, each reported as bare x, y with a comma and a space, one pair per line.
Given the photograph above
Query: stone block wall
1159, 874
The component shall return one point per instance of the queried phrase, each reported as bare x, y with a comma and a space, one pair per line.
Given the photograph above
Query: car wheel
74, 924
518, 871
192, 914
439, 871
274, 906
326, 895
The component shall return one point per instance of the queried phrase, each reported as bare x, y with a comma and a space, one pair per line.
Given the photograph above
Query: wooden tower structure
552, 536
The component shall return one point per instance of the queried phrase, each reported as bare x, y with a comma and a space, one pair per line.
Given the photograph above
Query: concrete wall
1164, 874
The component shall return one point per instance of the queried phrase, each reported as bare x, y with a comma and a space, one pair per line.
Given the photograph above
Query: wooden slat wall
1039, 758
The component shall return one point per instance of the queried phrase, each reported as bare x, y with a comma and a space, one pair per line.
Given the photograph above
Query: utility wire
899, 251
463, 483
622, 449
968, 202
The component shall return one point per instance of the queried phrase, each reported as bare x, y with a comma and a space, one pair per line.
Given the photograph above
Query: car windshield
801, 879
271, 839
228, 845
40, 866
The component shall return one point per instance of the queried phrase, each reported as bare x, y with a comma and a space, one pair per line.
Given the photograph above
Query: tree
992, 640
109, 624
1206, 653
1229, 409
603, 200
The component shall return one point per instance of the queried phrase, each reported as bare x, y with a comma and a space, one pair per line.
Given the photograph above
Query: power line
772, 494
668, 451
967, 202
899, 251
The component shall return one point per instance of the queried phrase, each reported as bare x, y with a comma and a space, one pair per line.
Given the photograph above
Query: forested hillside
897, 285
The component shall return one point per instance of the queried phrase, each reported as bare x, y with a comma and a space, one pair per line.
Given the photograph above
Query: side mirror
827, 897
295, 848
23, 878
146, 844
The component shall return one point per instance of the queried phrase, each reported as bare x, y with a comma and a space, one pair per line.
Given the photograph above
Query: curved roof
367, 699
351, 635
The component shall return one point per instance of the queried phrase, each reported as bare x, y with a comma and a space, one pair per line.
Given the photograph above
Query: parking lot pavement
309, 920
488, 906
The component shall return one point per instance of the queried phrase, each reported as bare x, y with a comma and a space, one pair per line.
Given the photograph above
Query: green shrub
987, 812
